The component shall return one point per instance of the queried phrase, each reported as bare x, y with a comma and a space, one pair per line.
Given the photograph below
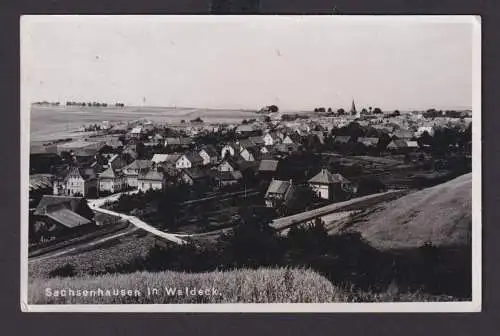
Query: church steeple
353, 108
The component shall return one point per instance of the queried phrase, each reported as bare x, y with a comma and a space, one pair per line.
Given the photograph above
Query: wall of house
145, 185
183, 162
75, 185
227, 149
112, 185
224, 167
322, 190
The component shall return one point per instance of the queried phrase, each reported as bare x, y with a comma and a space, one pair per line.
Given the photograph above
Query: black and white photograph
327, 163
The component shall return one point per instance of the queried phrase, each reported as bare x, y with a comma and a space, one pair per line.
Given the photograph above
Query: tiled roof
268, 165
152, 175
51, 200
325, 177
67, 218
278, 187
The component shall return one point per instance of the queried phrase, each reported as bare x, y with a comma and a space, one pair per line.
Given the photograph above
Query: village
196, 177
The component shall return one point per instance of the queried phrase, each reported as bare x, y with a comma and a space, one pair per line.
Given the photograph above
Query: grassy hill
264, 285
441, 215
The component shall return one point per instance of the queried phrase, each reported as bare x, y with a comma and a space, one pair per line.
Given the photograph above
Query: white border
472, 306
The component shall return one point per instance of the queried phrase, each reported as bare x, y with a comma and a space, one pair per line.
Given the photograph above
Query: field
281, 285
51, 123
441, 215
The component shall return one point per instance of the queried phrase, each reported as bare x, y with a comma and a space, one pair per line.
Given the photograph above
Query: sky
297, 63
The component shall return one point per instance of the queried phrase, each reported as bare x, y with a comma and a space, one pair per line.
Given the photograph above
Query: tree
377, 110
396, 113
330, 110
340, 111
267, 119
364, 111
273, 109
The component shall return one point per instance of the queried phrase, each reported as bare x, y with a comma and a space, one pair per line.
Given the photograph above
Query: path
96, 205
352, 204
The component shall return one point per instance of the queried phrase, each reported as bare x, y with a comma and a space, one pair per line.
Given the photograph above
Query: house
56, 216
245, 143
401, 145
279, 193
178, 143
116, 162
341, 139
133, 170
136, 132
159, 158
271, 139
225, 178
195, 176
189, 160
250, 154
245, 129
112, 180
368, 141
330, 186
226, 165
292, 138
209, 155
230, 149
78, 181
151, 180
256, 140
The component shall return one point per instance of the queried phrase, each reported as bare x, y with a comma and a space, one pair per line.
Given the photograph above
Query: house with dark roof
401, 145
330, 186
225, 178
209, 155
271, 139
59, 215
189, 160
368, 141
279, 193
292, 138
230, 149
195, 176
75, 181
112, 180
133, 170
151, 180
250, 154
268, 166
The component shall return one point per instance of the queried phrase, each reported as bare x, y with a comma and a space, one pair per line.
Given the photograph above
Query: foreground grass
263, 285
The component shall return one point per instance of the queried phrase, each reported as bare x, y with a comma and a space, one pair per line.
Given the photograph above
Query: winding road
96, 205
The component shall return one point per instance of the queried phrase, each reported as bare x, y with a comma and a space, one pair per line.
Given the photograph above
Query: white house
189, 160
271, 139
152, 180
133, 170
112, 181
230, 149
330, 186
78, 181
250, 154
279, 193
226, 166
209, 155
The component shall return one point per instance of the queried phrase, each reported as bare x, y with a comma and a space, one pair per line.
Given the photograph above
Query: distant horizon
334, 108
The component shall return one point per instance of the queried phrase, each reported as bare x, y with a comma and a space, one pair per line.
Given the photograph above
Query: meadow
263, 285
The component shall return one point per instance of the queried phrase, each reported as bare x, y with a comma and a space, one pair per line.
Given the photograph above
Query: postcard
326, 163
